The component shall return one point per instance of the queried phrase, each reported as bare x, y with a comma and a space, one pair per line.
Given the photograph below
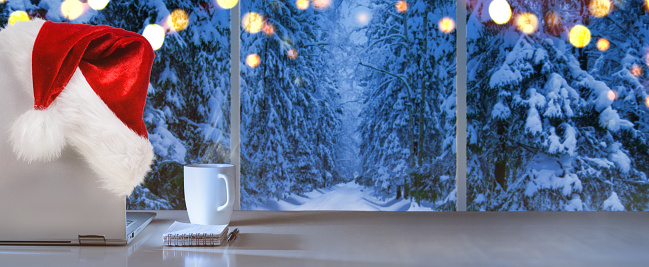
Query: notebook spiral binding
193, 240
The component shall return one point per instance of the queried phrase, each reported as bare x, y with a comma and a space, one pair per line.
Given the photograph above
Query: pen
233, 235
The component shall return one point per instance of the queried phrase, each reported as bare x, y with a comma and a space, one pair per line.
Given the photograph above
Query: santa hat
89, 87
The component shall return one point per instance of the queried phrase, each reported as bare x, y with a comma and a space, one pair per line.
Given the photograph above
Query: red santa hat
89, 86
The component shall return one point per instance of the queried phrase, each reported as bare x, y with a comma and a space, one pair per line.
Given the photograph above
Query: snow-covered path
346, 196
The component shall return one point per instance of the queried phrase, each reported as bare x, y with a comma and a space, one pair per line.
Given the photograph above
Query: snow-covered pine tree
290, 110
408, 121
543, 133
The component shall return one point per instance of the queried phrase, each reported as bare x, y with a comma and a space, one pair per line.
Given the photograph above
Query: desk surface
287, 239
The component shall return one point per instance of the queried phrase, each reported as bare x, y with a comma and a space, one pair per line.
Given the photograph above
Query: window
352, 104
348, 105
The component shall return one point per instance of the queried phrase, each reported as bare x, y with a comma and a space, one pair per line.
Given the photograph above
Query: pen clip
233, 235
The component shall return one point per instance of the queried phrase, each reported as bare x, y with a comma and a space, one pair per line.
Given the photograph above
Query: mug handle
227, 193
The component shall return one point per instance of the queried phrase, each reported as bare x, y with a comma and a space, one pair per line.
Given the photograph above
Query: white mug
209, 193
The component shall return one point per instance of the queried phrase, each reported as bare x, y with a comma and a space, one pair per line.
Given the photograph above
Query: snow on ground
344, 196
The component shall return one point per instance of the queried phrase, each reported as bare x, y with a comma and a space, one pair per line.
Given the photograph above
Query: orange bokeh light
646, 101
302, 4
599, 8
72, 9
253, 60
446, 25
292, 54
402, 6
527, 23
636, 70
603, 44
178, 20
268, 29
321, 4
612, 95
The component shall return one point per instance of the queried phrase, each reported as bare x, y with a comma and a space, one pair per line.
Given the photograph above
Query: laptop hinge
92, 240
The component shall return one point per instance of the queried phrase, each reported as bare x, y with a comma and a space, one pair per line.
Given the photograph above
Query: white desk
378, 239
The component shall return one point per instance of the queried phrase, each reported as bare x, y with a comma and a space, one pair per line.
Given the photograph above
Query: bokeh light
599, 8
253, 60
71, 9
302, 4
321, 4
636, 70
178, 20
553, 23
446, 25
646, 100
292, 54
268, 29
363, 18
500, 11
98, 4
612, 95
527, 23
579, 36
18, 16
3, 1
401, 6
603, 44
155, 34
227, 4
252, 22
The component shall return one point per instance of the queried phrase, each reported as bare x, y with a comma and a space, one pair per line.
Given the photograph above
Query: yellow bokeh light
599, 8
253, 60
227, 4
401, 6
500, 11
527, 23
612, 95
252, 22
18, 16
71, 9
3, 1
446, 25
579, 36
268, 29
603, 44
178, 20
155, 34
636, 70
292, 54
98, 4
321, 4
302, 4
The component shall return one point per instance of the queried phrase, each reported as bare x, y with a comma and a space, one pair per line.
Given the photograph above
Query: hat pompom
38, 135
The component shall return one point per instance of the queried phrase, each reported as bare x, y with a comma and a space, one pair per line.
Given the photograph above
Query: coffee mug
209, 193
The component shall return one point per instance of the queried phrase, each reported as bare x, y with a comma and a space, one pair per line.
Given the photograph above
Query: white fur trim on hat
117, 154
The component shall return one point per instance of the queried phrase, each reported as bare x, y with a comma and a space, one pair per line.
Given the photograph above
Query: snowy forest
557, 106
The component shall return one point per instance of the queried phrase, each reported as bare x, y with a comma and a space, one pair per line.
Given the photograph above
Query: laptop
58, 202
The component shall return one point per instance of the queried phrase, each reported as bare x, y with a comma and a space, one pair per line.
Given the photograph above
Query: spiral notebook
187, 234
